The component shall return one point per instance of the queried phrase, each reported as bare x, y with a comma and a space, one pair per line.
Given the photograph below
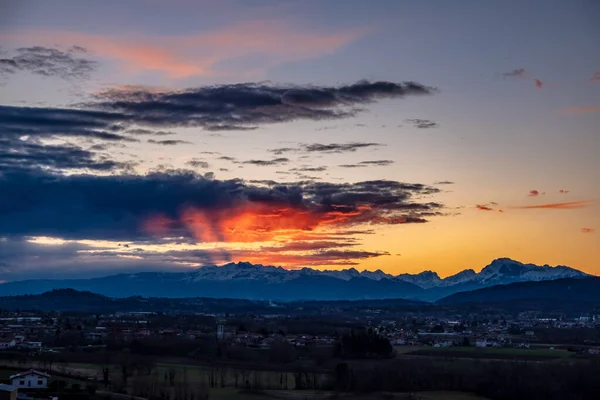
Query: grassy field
493, 353
407, 349
231, 394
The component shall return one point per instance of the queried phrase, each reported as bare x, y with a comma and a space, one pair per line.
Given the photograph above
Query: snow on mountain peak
499, 271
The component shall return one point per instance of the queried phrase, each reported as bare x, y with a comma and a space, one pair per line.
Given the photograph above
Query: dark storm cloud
116, 207
422, 123
48, 122
21, 154
266, 163
244, 106
168, 142
49, 62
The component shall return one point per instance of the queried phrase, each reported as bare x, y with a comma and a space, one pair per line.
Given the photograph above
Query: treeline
494, 380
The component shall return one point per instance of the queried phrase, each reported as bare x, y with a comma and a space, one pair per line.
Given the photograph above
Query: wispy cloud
482, 207
326, 148
72, 63
582, 109
168, 142
363, 164
563, 191
201, 54
595, 77
538, 84
197, 163
422, 123
515, 73
534, 193
266, 163
559, 206
587, 230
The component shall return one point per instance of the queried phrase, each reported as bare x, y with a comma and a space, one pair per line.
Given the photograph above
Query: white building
30, 379
7, 343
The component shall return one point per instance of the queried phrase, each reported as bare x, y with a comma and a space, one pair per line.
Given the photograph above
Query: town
275, 347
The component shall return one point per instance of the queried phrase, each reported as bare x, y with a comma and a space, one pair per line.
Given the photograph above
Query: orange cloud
482, 207
563, 191
559, 206
198, 54
538, 84
587, 230
582, 109
533, 193
595, 77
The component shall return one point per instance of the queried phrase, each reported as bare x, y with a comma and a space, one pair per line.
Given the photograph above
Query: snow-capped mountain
249, 281
425, 279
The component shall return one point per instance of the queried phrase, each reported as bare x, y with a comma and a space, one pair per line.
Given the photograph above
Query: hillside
569, 290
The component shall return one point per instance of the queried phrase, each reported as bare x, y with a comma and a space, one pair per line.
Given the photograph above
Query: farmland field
493, 353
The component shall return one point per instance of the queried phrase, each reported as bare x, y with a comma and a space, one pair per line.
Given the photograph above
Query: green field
492, 352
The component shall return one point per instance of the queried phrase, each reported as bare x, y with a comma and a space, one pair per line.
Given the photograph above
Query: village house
7, 343
31, 379
8, 392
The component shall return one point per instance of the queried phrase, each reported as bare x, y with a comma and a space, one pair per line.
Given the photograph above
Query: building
31, 379
8, 392
7, 343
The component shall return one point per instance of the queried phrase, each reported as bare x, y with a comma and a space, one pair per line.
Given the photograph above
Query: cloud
265, 163
559, 206
117, 113
363, 164
352, 166
538, 84
45, 122
16, 154
587, 230
563, 191
422, 123
168, 142
444, 183
227, 158
534, 193
482, 207
582, 109
198, 163
380, 163
219, 52
184, 204
141, 131
310, 169
515, 73
595, 77
227, 127
49, 62
246, 105
326, 148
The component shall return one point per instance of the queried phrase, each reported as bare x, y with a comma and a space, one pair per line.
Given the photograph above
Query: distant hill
249, 281
569, 290
63, 300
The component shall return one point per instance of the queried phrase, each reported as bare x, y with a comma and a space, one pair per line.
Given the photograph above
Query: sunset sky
147, 135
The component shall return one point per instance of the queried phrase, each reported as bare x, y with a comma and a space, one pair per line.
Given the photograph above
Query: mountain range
249, 281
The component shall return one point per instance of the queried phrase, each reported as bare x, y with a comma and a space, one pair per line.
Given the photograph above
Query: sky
405, 136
